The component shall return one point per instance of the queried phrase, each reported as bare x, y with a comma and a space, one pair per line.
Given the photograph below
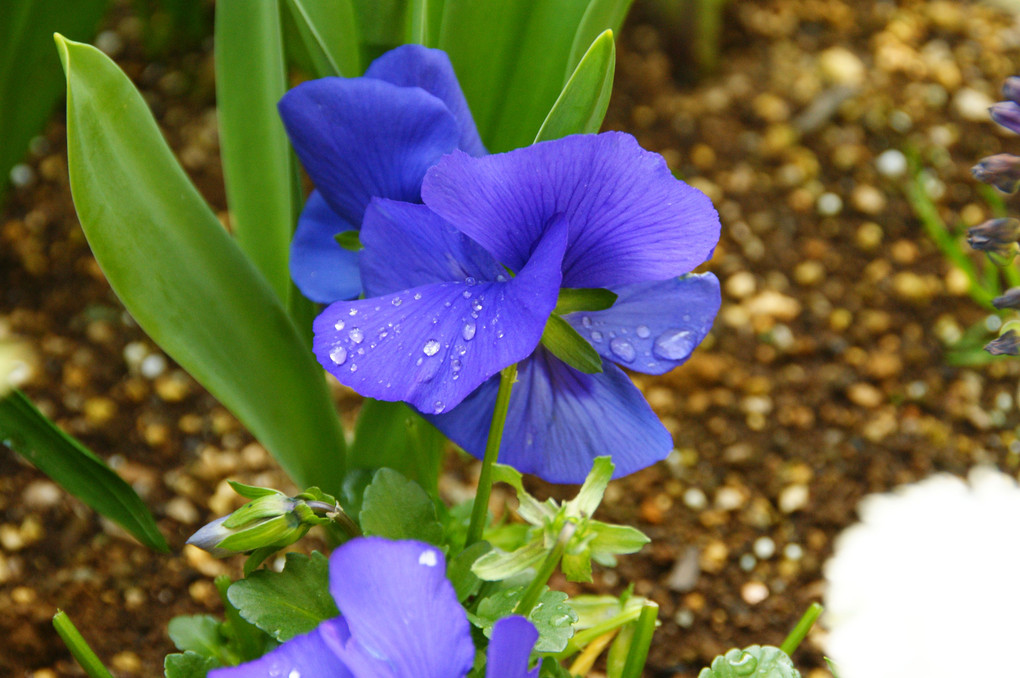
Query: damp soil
829, 374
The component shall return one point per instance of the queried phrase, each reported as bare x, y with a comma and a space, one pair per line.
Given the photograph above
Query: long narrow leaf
601, 15
256, 156
28, 432
184, 279
393, 435
329, 35
582, 104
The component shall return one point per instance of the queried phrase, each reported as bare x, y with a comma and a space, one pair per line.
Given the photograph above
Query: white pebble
764, 548
153, 365
829, 204
22, 175
695, 499
891, 163
793, 498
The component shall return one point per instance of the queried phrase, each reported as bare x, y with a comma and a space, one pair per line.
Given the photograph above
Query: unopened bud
998, 236
1011, 89
1007, 343
1011, 299
1007, 114
1001, 170
271, 520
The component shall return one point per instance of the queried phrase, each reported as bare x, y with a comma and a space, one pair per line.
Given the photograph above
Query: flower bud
272, 520
1007, 114
1001, 170
1011, 89
1008, 343
995, 235
1010, 299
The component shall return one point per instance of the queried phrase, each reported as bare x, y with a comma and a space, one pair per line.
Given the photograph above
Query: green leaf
393, 435
756, 661
349, 240
590, 495
184, 280
458, 571
397, 508
552, 616
187, 665
551, 668
249, 642
30, 82
250, 80
600, 16
28, 432
382, 25
573, 299
328, 33
201, 634
566, 344
581, 105
289, 603
577, 566
615, 539
497, 565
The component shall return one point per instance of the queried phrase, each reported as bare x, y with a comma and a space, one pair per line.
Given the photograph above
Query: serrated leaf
397, 508
201, 634
581, 105
552, 616
289, 603
564, 342
187, 665
756, 661
71, 465
182, 277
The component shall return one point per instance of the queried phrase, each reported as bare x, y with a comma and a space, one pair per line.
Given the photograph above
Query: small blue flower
400, 619
366, 137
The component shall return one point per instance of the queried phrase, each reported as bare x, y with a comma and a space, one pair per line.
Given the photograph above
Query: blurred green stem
79, 649
480, 510
800, 631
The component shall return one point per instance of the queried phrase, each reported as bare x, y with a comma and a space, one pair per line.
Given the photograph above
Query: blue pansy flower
462, 286
372, 136
400, 619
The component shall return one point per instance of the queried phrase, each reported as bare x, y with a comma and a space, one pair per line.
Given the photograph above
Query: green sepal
251, 491
288, 603
564, 342
756, 661
266, 506
574, 299
349, 240
273, 533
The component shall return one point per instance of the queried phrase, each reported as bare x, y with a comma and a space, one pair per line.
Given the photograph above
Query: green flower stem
80, 650
335, 513
480, 510
586, 636
801, 629
642, 640
534, 591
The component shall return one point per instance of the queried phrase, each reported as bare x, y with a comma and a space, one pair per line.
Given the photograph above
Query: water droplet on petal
438, 406
417, 296
397, 301
586, 321
476, 305
356, 335
643, 331
338, 355
470, 281
500, 278
468, 332
354, 368
455, 365
596, 335
673, 345
353, 312
622, 349
431, 347
339, 325
466, 294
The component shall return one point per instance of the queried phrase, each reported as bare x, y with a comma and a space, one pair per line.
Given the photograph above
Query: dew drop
468, 332
455, 365
431, 347
622, 349
596, 335
586, 321
354, 368
353, 312
361, 351
500, 278
339, 325
438, 407
470, 281
673, 345
476, 305
643, 331
417, 296
466, 294
419, 361
499, 335
338, 355
356, 335
397, 301
428, 558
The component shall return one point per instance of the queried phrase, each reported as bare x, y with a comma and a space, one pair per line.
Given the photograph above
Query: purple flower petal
430, 346
410, 245
630, 220
1007, 114
312, 654
322, 270
510, 648
653, 327
403, 613
560, 420
430, 69
361, 138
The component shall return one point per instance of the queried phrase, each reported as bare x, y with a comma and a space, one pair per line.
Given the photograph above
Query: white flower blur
928, 583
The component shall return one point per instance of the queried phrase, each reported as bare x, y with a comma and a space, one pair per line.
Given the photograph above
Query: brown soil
824, 379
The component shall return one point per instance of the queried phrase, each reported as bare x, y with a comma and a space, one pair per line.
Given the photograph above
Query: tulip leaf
582, 103
257, 162
756, 661
288, 603
573, 299
184, 280
328, 32
397, 508
395, 436
600, 16
566, 344
68, 463
349, 240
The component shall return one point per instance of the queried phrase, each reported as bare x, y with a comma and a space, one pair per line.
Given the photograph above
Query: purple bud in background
1007, 114
1011, 299
995, 235
1007, 344
1011, 89
1001, 170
